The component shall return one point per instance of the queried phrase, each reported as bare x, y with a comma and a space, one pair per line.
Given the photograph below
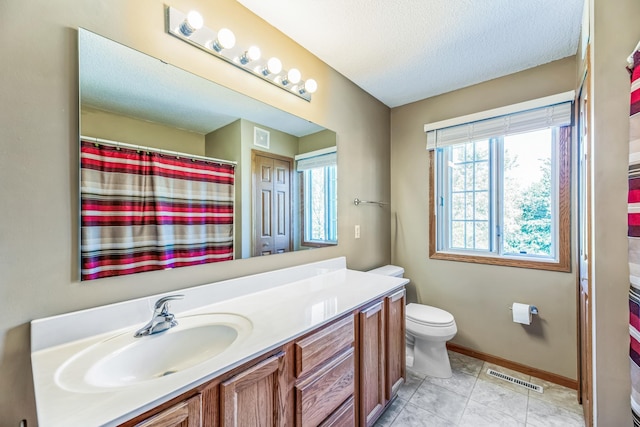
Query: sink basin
122, 360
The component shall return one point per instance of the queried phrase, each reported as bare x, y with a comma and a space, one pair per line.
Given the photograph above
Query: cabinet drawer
344, 416
313, 350
319, 395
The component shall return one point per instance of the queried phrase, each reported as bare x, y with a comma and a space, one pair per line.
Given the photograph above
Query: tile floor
471, 398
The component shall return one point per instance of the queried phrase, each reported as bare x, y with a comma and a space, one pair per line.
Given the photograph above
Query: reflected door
272, 203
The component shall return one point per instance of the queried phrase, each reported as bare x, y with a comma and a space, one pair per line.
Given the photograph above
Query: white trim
316, 153
501, 111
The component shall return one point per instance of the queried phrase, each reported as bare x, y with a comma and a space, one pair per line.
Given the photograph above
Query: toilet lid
427, 315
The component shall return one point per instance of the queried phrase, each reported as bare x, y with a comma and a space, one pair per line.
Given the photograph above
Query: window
319, 197
500, 190
320, 207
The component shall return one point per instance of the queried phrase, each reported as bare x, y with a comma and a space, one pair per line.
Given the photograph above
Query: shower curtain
146, 210
634, 234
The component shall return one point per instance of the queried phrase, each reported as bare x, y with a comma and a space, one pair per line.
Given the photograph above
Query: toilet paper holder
532, 308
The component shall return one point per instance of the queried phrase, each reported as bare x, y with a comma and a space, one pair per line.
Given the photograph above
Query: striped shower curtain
634, 235
144, 210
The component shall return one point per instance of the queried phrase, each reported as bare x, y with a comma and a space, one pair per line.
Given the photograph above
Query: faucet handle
162, 305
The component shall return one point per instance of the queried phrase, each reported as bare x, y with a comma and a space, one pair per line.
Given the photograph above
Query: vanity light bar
190, 28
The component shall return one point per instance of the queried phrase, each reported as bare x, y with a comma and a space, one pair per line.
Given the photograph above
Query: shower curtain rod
157, 150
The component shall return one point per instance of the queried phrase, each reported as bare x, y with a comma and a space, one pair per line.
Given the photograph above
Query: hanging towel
634, 233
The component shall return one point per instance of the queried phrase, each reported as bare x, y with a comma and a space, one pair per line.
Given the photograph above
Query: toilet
428, 330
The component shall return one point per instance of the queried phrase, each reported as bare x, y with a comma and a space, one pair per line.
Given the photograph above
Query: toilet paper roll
521, 313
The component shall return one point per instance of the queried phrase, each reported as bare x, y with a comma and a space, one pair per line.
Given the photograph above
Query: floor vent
516, 381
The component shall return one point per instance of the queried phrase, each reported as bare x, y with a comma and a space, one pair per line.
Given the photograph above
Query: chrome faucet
162, 320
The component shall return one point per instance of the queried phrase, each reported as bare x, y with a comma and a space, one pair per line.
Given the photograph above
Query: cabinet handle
373, 309
396, 296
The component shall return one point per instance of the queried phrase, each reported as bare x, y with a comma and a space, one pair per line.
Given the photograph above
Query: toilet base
431, 358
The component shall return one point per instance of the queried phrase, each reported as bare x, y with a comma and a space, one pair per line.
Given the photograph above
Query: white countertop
281, 305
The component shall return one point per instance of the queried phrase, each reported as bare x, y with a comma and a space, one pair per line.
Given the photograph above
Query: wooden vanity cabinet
341, 375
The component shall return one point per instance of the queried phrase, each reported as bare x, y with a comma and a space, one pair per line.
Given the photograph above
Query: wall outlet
357, 231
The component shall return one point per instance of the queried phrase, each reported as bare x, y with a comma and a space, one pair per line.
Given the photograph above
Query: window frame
563, 262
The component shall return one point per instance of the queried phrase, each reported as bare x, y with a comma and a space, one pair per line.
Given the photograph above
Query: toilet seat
427, 315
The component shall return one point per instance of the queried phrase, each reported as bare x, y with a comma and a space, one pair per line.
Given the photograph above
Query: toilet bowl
427, 331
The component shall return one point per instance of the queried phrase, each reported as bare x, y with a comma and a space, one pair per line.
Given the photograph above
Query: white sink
123, 361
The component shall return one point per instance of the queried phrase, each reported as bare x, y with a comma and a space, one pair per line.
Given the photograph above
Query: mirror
132, 98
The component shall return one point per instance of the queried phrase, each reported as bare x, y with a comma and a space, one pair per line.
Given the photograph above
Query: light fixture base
205, 38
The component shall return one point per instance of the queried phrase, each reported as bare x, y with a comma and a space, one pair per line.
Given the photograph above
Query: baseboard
543, 375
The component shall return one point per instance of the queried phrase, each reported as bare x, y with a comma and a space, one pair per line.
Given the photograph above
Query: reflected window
319, 197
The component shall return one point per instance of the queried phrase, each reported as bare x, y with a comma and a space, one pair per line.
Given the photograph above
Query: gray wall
38, 161
614, 34
479, 295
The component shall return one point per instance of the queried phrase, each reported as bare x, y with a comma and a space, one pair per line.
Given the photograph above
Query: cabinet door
396, 365
183, 414
252, 397
371, 325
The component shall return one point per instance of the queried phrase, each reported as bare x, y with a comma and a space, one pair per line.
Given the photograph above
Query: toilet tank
388, 270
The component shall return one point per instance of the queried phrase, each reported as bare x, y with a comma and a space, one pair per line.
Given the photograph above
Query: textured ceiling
401, 51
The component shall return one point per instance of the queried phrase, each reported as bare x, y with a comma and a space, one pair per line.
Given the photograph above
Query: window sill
319, 244
502, 261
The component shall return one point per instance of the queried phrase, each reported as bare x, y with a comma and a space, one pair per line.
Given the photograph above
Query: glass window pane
482, 176
468, 152
469, 234
457, 178
482, 235
528, 193
317, 204
457, 234
457, 206
457, 153
468, 176
469, 207
320, 207
482, 150
482, 206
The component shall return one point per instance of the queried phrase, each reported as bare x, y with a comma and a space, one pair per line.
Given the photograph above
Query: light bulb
309, 86
293, 76
251, 54
274, 66
191, 24
226, 40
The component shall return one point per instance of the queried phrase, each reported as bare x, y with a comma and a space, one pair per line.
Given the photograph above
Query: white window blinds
316, 159
509, 124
